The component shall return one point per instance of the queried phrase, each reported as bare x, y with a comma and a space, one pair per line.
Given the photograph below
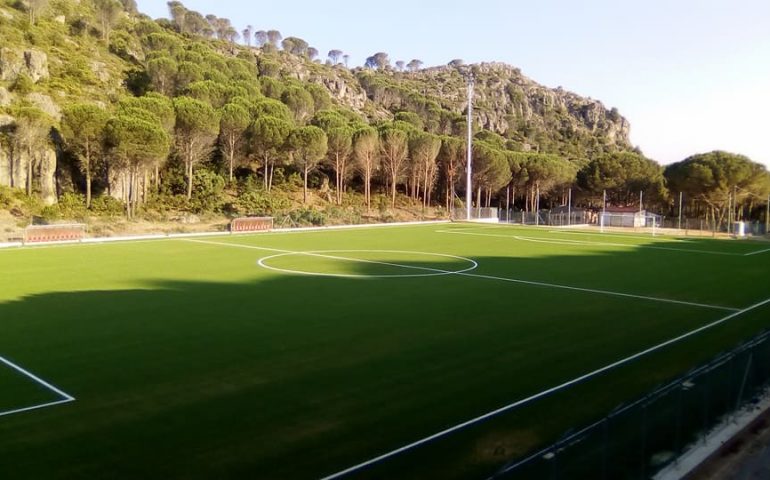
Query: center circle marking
330, 254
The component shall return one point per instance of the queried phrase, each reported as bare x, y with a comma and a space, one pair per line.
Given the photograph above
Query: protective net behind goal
73, 232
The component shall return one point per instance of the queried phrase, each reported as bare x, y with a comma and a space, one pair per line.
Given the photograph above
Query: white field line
172, 236
590, 243
437, 271
432, 272
600, 292
757, 252
36, 379
486, 277
36, 407
671, 238
66, 397
544, 393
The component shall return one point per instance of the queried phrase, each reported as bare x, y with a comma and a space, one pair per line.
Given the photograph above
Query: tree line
198, 115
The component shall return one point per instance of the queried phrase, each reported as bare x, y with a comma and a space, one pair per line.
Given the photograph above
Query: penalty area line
544, 393
36, 407
66, 397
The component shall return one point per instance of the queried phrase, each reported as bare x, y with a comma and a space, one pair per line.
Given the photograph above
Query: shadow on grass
297, 377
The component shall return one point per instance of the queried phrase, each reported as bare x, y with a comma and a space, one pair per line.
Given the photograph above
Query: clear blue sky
690, 75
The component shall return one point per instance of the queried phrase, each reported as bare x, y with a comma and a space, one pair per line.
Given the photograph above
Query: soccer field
455, 347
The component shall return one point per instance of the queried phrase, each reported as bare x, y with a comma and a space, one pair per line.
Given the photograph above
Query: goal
639, 222
73, 232
251, 224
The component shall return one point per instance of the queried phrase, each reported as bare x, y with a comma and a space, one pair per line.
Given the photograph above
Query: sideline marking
66, 397
757, 253
549, 391
491, 277
589, 243
665, 238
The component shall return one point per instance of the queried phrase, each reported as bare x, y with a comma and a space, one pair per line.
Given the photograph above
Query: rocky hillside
508, 103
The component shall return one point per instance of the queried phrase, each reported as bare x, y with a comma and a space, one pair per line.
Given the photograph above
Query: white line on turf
432, 272
435, 271
37, 379
544, 393
66, 397
36, 407
491, 277
666, 238
589, 243
757, 252
601, 292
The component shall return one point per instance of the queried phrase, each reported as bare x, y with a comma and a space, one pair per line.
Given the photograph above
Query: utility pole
469, 166
604, 209
767, 217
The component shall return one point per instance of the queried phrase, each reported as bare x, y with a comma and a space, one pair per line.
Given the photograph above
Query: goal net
73, 232
485, 215
251, 224
637, 222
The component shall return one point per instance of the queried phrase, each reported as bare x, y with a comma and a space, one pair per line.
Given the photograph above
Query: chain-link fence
484, 214
638, 439
555, 218
670, 225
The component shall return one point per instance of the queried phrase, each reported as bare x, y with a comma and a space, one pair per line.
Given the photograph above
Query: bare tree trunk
393, 192
29, 171
232, 161
189, 179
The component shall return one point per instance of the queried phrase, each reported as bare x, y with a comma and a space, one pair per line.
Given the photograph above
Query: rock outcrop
32, 63
511, 104
15, 164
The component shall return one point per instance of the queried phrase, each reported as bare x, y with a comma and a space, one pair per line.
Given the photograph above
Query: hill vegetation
104, 110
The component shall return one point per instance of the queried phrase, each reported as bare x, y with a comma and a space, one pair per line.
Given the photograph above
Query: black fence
639, 439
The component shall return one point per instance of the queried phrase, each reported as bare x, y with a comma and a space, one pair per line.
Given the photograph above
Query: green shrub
72, 206
308, 216
6, 197
23, 85
107, 206
50, 213
208, 190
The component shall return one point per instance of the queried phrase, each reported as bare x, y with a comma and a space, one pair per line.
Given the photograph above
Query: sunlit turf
297, 355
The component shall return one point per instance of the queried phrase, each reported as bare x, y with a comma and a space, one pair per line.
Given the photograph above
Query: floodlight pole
680, 210
767, 216
507, 203
604, 209
641, 199
469, 166
569, 207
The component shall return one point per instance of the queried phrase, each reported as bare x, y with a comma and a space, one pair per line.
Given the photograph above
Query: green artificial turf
190, 360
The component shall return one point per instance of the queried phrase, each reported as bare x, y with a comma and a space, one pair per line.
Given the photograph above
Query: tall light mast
468, 187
